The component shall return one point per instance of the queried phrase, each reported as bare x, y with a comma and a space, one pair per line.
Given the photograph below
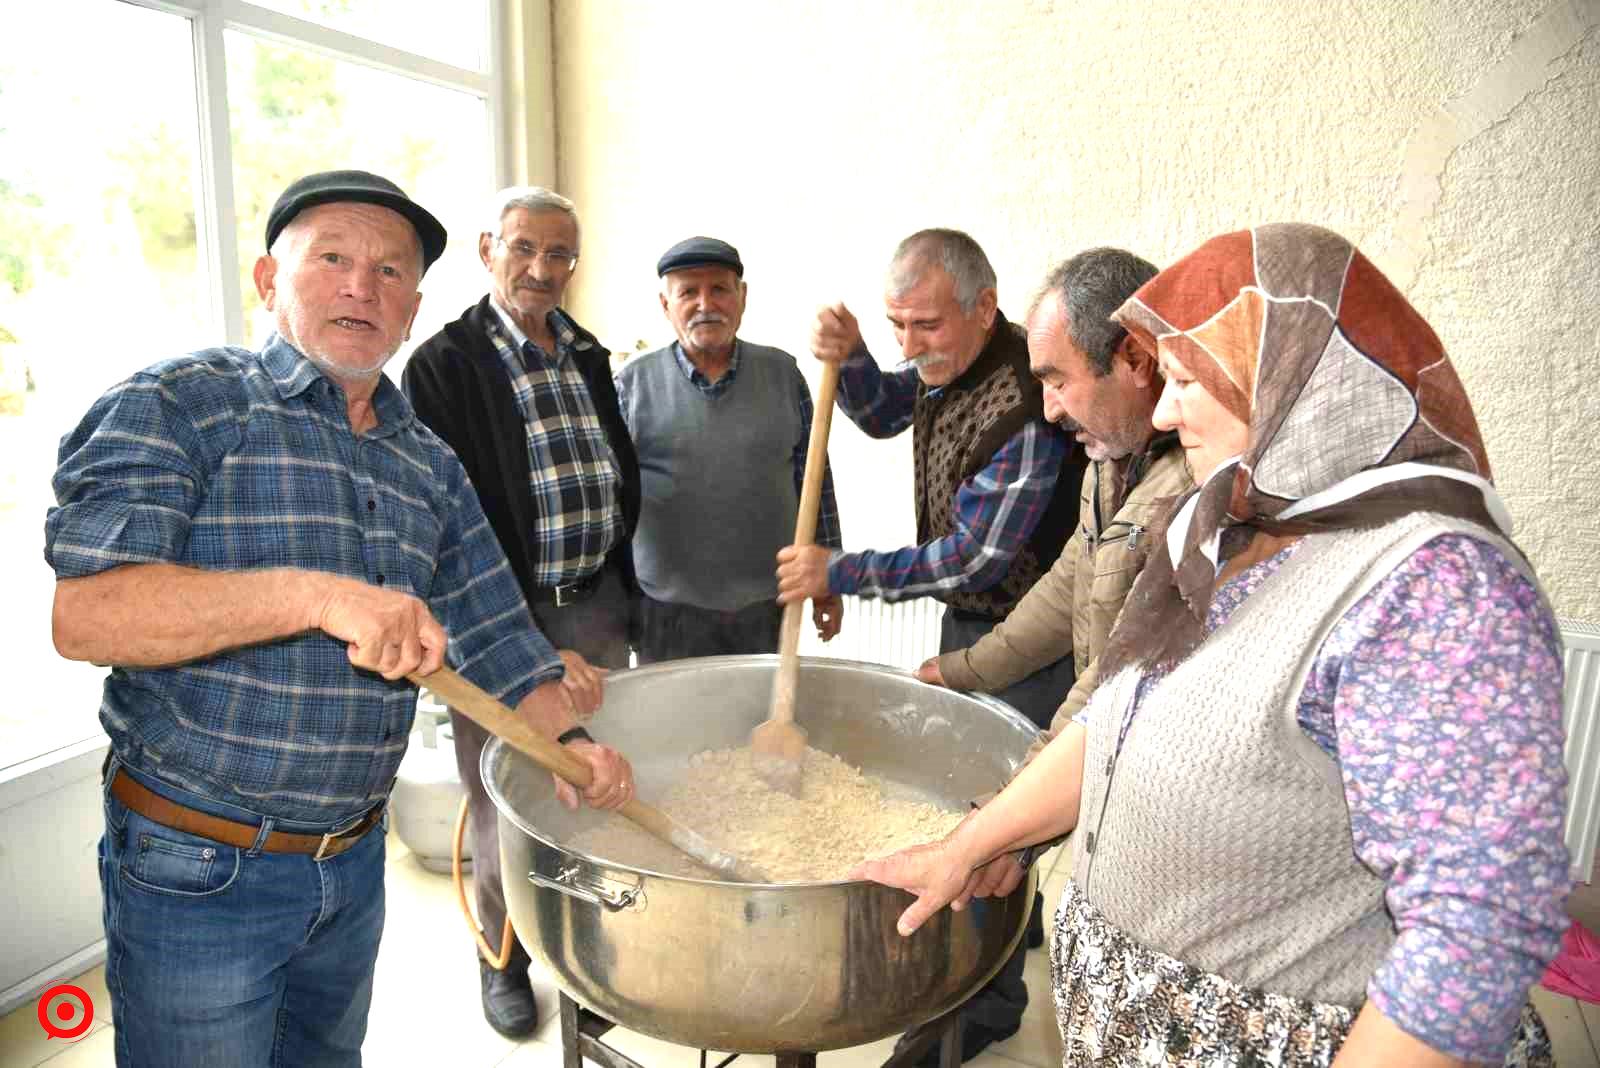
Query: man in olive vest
996, 490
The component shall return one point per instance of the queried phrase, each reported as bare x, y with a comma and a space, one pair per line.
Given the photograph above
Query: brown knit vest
957, 433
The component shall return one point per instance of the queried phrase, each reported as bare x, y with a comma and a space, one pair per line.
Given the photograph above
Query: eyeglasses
558, 259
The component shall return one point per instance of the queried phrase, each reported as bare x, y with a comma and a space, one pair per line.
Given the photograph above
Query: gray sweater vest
717, 477
1220, 835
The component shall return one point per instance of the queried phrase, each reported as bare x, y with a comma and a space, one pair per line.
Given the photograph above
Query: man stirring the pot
996, 490
264, 545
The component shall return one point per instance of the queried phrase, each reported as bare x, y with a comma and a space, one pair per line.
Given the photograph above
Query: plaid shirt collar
700, 381
568, 338
293, 374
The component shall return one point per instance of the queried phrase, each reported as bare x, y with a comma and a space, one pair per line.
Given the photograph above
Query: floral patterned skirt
1119, 1003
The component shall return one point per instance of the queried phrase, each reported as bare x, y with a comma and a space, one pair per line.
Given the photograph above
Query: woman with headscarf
1319, 793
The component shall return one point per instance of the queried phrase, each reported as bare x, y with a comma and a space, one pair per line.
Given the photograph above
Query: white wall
1456, 140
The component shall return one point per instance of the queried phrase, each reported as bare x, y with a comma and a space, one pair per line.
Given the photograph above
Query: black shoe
508, 1002
1035, 936
975, 1038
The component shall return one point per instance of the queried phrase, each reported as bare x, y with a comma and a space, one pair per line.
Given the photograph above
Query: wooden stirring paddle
496, 718
779, 744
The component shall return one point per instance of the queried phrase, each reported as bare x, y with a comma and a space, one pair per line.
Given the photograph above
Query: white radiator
900, 635
1581, 717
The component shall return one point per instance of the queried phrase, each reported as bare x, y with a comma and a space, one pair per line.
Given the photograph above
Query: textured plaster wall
1458, 142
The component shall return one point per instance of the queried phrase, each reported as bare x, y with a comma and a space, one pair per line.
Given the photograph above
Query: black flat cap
700, 252
331, 187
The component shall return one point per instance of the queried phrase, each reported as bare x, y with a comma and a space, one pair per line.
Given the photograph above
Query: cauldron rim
491, 755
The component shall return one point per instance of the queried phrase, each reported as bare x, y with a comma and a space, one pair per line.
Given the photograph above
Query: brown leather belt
152, 806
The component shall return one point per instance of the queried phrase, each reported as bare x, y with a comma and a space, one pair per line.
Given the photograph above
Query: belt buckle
562, 599
322, 847
349, 834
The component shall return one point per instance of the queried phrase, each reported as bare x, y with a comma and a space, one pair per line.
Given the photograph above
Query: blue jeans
227, 957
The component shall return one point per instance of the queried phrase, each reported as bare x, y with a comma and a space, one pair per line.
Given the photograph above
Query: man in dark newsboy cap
356, 187
721, 426
264, 545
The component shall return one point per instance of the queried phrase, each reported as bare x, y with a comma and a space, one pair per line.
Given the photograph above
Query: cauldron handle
494, 717
596, 891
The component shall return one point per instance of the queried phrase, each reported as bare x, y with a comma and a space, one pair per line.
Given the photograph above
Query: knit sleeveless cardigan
956, 432
1220, 834
716, 477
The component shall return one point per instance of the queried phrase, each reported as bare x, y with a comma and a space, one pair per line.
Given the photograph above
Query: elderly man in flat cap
721, 426
264, 545
523, 395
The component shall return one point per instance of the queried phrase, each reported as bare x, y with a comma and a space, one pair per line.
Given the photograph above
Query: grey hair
532, 199
1091, 286
957, 253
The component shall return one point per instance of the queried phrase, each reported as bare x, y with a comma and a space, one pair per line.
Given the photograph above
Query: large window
141, 145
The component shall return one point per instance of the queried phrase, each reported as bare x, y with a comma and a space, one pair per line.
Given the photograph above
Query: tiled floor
425, 1004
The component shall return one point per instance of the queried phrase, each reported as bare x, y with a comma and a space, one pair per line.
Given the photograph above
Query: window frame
216, 240
60, 786
209, 20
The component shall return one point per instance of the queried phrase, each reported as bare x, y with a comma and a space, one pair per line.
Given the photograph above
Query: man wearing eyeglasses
523, 394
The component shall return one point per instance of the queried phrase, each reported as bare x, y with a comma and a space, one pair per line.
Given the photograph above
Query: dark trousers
597, 629
999, 1004
674, 631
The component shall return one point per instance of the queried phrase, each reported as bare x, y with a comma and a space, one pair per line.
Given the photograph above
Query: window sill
39, 775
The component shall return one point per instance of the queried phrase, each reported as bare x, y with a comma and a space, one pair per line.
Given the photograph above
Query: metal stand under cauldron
581, 1031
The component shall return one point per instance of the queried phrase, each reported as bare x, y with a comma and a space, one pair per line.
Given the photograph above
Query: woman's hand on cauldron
612, 785
584, 682
997, 878
933, 872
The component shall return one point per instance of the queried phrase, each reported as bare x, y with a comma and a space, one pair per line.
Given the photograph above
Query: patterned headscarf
1355, 413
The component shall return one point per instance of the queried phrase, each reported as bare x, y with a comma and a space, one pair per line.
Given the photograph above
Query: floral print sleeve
1439, 693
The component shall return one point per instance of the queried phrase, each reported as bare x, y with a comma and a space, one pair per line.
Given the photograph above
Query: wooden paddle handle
805, 533
805, 523
497, 719
494, 717
487, 712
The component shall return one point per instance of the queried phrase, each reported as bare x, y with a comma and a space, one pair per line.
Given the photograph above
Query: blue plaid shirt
828, 532
233, 460
573, 475
996, 509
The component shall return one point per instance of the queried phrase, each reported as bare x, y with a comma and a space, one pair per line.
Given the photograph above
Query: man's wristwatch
573, 734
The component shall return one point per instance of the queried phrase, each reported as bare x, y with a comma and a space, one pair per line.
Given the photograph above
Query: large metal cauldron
770, 968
